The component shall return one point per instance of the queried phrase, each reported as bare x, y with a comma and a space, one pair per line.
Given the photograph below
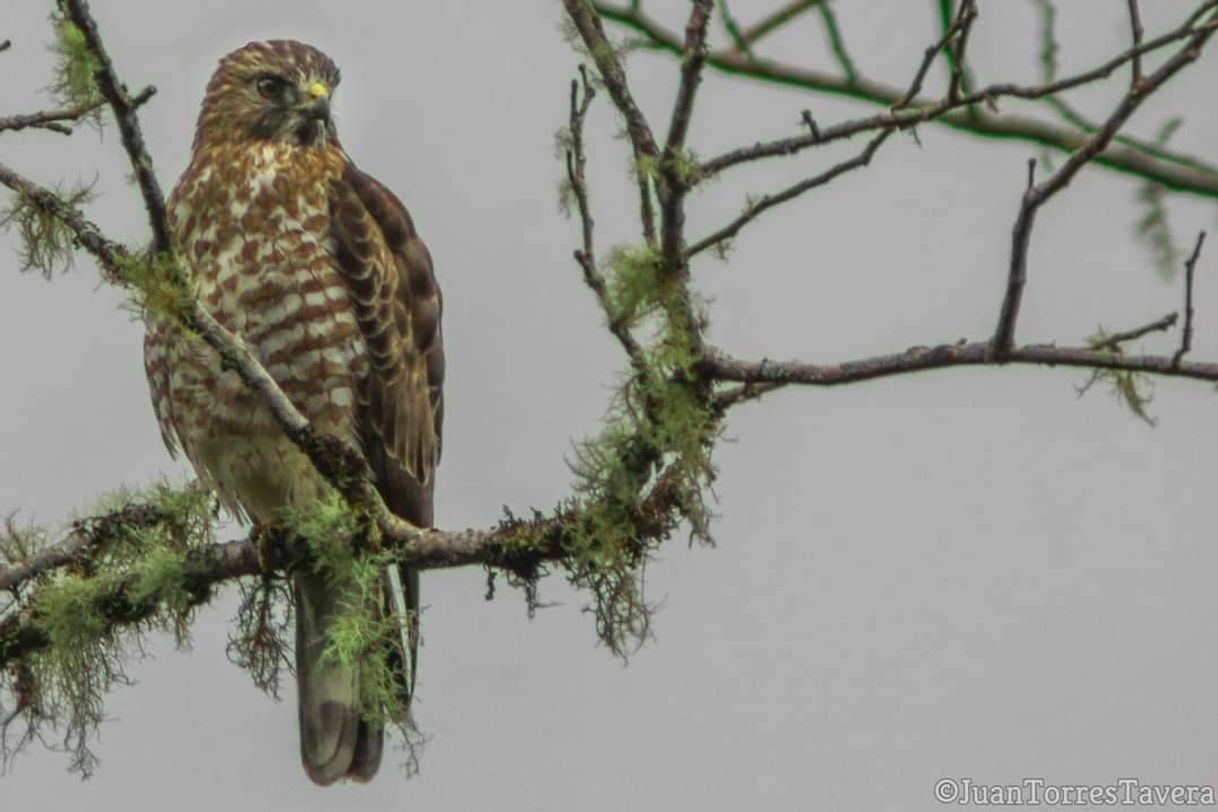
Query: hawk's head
277, 90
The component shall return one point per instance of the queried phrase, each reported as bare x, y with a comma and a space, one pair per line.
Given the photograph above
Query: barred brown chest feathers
252, 224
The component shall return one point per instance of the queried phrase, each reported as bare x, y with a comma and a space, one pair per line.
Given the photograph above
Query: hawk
319, 269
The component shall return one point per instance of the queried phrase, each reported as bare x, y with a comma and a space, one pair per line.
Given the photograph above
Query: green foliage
46, 243
75, 68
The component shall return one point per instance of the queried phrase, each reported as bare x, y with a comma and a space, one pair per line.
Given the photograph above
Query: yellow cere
318, 90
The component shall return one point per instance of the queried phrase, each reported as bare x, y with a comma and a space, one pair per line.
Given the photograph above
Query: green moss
332, 530
647, 166
70, 679
139, 562
636, 289
47, 245
686, 166
75, 67
365, 631
659, 423
1133, 390
158, 284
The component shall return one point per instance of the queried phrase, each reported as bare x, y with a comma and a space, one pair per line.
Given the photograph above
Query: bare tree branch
957, 49
1174, 171
958, 26
755, 209
722, 367
1135, 24
1037, 195
1190, 266
1115, 340
691, 74
776, 20
48, 119
582, 94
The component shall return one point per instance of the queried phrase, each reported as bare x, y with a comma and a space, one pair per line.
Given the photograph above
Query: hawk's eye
271, 87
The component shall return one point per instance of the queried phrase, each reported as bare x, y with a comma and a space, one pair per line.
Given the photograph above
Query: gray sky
963, 573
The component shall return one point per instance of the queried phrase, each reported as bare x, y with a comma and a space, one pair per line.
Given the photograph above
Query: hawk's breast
252, 224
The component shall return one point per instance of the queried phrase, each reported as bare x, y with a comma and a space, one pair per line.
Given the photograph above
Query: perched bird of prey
318, 267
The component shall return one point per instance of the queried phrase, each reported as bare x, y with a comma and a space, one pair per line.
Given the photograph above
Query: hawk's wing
397, 304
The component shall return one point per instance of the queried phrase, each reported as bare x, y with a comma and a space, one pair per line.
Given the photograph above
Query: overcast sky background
963, 573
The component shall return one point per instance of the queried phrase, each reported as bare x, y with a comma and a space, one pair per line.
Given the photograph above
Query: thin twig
582, 94
588, 23
124, 108
1178, 172
53, 119
838, 44
88, 236
675, 180
733, 30
1114, 341
1037, 195
923, 112
48, 119
1135, 24
743, 393
776, 20
1017, 274
691, 74
643, 144
928, 57
957, 50
770, 201
1190, 266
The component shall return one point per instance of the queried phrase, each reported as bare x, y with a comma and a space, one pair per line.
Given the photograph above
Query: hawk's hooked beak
318, 106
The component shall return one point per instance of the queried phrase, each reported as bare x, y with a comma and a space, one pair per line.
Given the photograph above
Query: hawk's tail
336, 741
